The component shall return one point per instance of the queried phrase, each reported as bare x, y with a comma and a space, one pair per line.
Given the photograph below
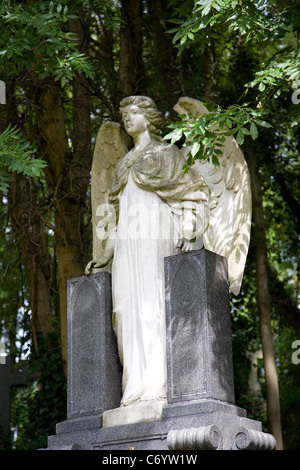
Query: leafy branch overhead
206, 135
37, 34
246, 23
251, 21
16, 154
35, 38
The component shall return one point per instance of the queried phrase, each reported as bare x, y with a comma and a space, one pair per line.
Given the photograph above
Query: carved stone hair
148, 108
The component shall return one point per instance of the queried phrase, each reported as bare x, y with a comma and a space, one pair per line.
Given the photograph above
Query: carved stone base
248, 439
201, 413
211, 438
207, 425
204, 438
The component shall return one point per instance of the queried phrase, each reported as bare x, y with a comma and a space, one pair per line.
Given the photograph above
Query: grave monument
149, 338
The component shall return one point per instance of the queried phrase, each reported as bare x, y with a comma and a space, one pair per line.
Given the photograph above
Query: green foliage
261, 24
280, 74
5, 440
253, 22
289, 384
11, 285
35, 35
16, 154
42, 404
206, 135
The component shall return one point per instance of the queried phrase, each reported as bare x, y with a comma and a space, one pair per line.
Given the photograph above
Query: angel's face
135, 121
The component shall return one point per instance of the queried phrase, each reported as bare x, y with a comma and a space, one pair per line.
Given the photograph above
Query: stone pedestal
200, 413
199, 353
94, 370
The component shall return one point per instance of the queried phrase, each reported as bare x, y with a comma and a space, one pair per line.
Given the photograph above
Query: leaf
206, 9
17, 154
195, 148
215, 161
4, 180
263, 123
240, 138
245, 131
229, 123
174, 135
175, 21
253, 131
183, 40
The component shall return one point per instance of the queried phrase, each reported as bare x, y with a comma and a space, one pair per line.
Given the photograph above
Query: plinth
200, 412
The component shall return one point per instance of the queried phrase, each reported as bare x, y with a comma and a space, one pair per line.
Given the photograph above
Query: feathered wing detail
109, 148
228, 233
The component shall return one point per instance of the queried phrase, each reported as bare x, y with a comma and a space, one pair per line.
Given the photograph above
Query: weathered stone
200, 414
203, 438
135, 413
94, 371
249, 439
199, 352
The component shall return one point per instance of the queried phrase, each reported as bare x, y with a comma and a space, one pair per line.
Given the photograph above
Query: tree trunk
81, 132
68, 172
165, 55
263, 300
131, 70
67, 179
209, 73
286, 305
30, 235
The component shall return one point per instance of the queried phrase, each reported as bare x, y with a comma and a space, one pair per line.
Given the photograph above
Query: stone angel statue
145, 208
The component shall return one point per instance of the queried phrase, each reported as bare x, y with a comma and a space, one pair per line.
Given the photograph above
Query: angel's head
147, 108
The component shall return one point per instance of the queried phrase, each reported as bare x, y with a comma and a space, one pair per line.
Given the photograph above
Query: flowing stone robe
151, 196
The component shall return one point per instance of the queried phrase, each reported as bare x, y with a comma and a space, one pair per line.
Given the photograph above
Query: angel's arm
188, 224
105, 259
106, 235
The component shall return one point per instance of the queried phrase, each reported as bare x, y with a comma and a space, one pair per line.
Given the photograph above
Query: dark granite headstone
94, 370
199, 352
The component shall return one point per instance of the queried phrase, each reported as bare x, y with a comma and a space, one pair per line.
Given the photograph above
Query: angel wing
228, 233
109, 148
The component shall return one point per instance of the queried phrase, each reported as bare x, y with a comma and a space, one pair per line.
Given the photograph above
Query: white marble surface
135, 413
